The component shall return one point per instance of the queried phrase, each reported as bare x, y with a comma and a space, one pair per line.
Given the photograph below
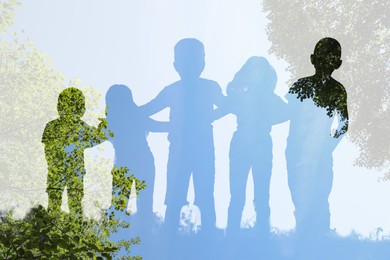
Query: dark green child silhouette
322, 88
65, 140
314, 101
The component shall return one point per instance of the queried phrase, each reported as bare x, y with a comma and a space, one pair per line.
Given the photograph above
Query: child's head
120, 106
327, 55
257, 76
71, 103
189, 58
119, 97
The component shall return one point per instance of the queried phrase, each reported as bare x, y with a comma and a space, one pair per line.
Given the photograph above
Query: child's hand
103, 130
102, 124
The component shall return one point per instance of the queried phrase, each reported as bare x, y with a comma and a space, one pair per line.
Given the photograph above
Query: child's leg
178, 175
55, 200
204, 177
204, 197
145, 215
55, 187
75, 195
261, 171
240, 163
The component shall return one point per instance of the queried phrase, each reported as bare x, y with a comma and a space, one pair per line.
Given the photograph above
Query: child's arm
342, 126
103, 129
342, 114
157, 104
223, 109
280, 110
157, 126
99, 134
221, 102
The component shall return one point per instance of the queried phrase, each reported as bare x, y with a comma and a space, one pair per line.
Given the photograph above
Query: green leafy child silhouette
325, 91
65, 140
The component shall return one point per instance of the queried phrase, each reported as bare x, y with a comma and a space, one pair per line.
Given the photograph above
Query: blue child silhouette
130, 128
65, 140
250, 96
191, 101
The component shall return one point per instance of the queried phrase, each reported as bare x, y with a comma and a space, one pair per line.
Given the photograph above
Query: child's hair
119, 97
120, 107
71, 103
327, 54
327, 46
257, 72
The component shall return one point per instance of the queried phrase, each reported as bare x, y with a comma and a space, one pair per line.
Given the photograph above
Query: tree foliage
7, 9
46, 235
29, 90
363, 29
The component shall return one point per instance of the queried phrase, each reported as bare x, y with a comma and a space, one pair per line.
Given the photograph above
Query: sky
131, 42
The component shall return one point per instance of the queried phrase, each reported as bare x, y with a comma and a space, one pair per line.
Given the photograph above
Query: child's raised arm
160, 102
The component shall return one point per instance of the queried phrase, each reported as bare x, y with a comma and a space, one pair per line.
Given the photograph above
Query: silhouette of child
314, 102
191, 101
65, 140
251, 98
131, 127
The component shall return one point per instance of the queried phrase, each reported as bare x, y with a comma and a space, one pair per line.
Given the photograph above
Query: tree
29, 90
363, 29
46, 235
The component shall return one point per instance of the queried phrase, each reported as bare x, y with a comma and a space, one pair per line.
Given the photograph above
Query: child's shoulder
51, 130
303, 88
209, 82
199, 82
336, 84
172, 87
53, 123
210, 86
303, 82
